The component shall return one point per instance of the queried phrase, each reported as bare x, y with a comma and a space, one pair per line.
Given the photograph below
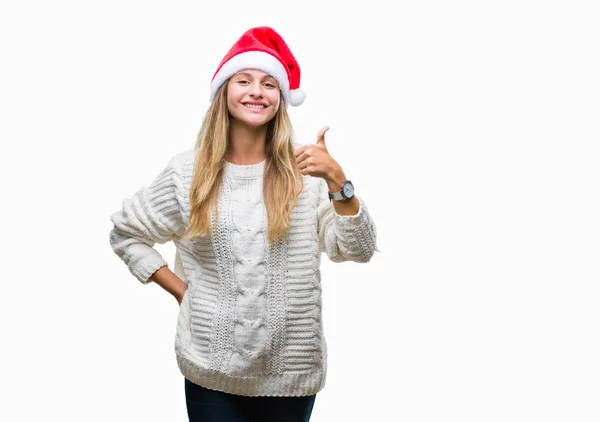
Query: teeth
254, 106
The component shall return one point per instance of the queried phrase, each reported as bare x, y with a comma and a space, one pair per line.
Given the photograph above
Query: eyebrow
250, 76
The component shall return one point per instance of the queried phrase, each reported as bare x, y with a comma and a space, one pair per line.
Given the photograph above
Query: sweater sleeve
345, 237
151, 216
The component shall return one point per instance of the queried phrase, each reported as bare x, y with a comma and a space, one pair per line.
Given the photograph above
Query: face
348, 190
253, 97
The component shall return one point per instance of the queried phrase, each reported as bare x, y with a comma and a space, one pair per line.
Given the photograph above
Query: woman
249, 212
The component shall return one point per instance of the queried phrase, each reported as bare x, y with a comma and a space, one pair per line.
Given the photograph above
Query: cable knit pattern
250, 322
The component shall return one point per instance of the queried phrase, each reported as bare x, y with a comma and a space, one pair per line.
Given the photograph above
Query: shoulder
183, 157
182, 163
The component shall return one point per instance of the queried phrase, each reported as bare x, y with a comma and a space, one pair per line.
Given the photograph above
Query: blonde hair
282, 181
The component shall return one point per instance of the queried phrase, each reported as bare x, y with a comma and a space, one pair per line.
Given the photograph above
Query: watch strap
335, 196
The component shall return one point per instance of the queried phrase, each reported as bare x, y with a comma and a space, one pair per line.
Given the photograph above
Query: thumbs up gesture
314, 159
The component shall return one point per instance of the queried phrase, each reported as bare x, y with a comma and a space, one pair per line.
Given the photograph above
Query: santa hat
262, 48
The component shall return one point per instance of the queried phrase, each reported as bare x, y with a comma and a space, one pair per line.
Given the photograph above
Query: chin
254, 121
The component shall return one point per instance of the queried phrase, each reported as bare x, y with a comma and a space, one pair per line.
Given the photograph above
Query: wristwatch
345, 193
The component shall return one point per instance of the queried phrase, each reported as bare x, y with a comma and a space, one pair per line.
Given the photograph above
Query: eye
242, 81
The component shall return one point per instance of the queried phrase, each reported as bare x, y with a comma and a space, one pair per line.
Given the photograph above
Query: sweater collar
237, 171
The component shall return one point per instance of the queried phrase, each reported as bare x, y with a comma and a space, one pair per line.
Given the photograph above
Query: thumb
321, 135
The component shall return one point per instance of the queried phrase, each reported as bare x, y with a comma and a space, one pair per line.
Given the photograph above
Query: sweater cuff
148, 265
349, 222
357, 231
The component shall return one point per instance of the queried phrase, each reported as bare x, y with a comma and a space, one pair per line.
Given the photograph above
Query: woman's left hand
314, 159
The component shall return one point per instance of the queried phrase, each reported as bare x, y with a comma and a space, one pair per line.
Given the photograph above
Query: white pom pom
297, 97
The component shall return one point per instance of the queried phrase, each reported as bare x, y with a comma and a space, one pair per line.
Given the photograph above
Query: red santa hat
264, 49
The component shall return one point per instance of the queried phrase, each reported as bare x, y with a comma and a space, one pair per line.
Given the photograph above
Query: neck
246, 144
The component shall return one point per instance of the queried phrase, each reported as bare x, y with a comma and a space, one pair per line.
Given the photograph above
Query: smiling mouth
255, 106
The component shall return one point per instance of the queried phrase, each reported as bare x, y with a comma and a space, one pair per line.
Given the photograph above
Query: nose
256, 89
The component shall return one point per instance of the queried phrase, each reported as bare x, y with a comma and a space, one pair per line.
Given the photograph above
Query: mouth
254, 106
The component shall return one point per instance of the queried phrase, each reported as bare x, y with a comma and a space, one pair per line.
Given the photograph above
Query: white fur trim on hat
297, 97
253, 60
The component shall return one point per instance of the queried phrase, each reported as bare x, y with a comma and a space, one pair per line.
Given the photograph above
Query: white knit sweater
250, 322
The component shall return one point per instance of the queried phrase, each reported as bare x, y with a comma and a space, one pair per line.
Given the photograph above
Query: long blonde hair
282, 181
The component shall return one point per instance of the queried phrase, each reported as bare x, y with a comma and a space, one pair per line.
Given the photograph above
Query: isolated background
470, 129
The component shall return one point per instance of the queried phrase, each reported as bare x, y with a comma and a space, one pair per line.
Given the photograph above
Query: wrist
335, 180
181, 291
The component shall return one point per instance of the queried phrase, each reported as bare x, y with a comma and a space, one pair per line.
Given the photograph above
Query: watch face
348, 190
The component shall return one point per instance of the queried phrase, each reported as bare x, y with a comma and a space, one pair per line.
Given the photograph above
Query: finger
321, 135
302, 163
299, 150
303, 156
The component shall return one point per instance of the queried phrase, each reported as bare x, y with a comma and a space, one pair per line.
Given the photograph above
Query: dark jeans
205, 405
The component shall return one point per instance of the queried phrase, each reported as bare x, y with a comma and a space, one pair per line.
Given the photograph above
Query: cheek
230, 106
233, 98
234, 92
229, 98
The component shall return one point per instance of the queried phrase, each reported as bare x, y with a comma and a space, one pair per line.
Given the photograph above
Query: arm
345, 229
350, 237
151, 216
334, 180
169, 281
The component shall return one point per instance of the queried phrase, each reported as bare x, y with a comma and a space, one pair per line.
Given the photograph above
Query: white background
470, 129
